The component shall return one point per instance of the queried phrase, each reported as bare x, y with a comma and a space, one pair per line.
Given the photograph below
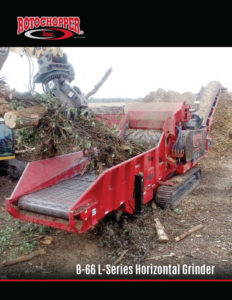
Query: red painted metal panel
38, 220
115, 187
43, 173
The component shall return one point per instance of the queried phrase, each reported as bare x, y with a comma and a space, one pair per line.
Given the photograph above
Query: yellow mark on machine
7, 157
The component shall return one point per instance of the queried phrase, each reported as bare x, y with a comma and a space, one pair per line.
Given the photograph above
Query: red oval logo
49, 34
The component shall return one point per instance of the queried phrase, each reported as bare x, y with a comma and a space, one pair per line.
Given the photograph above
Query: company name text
69, 23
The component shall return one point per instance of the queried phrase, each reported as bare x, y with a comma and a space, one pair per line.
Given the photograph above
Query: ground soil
209, 204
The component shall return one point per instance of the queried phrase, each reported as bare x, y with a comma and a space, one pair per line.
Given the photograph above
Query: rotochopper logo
49, 28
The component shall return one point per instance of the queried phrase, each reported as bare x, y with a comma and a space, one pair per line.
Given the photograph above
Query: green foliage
45, 230
26, 136
6, 238
16, 105
18, 238
46, 99
115, 129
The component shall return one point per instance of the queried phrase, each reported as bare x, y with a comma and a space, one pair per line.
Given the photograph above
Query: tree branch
99, 84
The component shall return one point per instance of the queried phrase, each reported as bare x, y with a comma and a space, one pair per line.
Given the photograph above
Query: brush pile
55, 134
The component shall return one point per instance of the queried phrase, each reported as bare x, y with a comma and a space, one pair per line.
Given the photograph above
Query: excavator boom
55, 73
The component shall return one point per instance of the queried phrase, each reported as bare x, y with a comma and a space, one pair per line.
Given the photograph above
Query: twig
187, 233
25, 151
120, 257
84, 169
160, 256
99, 84
23, 258
143, 257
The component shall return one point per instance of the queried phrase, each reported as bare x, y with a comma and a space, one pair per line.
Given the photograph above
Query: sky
136, 70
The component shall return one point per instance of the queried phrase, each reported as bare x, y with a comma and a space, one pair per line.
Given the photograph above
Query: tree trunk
4, 106
27, 99
24, 118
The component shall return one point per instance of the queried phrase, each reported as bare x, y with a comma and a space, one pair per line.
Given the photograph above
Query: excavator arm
55, 73
4, 52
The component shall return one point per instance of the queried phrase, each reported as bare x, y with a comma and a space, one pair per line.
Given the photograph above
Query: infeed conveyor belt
57, 200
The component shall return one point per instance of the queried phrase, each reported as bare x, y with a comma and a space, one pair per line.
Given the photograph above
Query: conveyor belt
57, 199
206, 99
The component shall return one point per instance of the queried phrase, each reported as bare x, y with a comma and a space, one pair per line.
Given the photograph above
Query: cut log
162, 236
4, 106
24, 118
27, 99
187, 233
153, 206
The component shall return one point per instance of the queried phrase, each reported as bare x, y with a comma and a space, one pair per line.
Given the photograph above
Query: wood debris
40, 123
23, 258
187, 233
120, 257
159, 257
47, 240
24, 117
162, 236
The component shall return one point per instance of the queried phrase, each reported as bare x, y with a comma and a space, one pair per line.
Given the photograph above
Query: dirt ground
133, 240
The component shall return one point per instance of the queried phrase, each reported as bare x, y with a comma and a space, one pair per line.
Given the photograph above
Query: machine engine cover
195, 143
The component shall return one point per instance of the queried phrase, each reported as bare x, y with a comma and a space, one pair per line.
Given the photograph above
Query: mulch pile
221, 131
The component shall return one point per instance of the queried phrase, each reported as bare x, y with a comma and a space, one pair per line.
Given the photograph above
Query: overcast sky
136, 71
